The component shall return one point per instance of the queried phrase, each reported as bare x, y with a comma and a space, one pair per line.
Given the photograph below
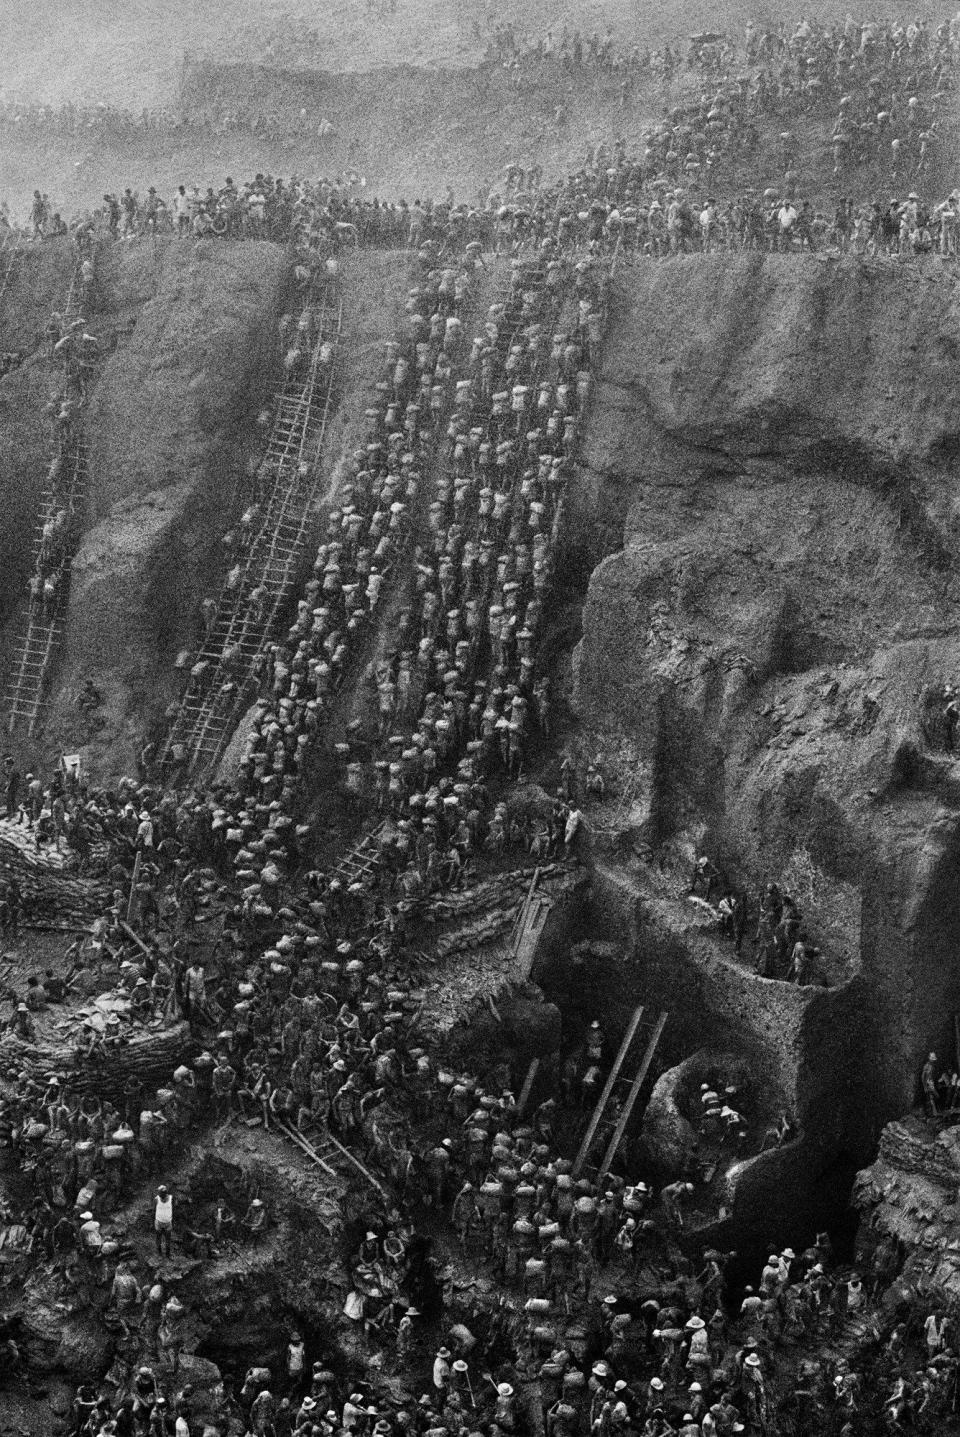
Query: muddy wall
169, 428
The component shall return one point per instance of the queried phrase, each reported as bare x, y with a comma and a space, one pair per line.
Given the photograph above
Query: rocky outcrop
670, 1136
908, 1195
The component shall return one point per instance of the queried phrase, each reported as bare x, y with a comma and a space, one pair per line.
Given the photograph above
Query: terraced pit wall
763, 650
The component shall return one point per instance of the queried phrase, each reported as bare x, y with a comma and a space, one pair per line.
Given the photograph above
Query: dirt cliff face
774, 438
168, 427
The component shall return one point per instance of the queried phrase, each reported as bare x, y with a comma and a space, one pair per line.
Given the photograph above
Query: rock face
149, 1055
167, 429
909, 1196
670, 1138
761, 662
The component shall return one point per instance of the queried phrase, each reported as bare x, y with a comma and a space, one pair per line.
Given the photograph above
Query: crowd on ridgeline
79, 121
610, 204
801, 54
887, 85
791, 49
659, 203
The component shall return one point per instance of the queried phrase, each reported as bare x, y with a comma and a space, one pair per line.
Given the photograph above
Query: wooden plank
139, 941
522, 915
632, 1096
604, 1097
528, 1084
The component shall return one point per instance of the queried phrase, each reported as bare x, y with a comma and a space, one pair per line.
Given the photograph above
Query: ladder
528, 1083
604, 1098
632, 1096
46, 619
35, 650
217, 697
331, 1147
362, 859
530, 923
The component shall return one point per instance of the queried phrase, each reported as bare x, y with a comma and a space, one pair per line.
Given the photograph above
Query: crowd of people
660, 204
93, 121
885, 84
618, 209
612, 1312
413, 669
889, 83
456, 674
316, 1033
781, 945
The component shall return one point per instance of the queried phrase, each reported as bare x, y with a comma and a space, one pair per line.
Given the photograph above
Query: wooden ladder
632, 1096
204, 724
608, 1086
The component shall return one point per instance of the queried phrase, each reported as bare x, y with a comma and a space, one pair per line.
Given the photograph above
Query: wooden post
132, 902
604, 1097
528, 1084
632, 1096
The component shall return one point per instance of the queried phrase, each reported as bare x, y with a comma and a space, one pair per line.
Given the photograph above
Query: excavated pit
754, 618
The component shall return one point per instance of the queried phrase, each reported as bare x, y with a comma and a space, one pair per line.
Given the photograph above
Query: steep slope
166, 433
